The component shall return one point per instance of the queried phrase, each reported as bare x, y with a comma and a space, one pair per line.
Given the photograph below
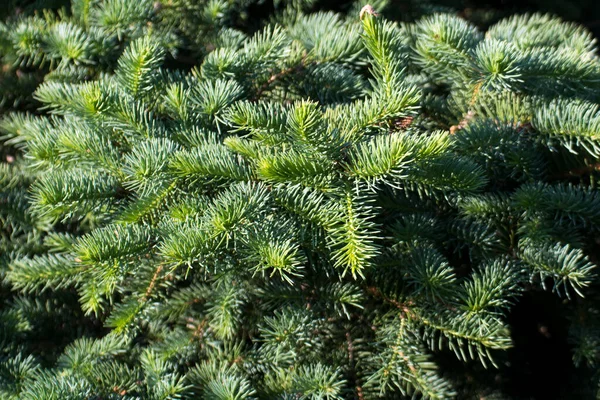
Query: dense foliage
334, 206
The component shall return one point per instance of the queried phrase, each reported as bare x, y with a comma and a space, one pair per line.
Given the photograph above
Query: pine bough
316, 211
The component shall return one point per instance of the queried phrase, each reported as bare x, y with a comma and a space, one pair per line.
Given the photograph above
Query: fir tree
323, 209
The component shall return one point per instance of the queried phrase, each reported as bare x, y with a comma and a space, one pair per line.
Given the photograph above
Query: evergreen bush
336, 206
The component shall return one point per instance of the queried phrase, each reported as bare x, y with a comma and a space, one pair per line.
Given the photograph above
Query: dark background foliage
482, 12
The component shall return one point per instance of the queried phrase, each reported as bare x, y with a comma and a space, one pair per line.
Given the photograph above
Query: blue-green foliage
315, 211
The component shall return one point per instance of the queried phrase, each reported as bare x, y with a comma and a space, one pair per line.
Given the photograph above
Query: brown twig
580, 171
359, 390
152, 283
463, 123
197, 326
404, 307
404, 123
279, 75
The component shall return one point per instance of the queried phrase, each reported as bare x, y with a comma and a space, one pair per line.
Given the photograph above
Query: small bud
368, 9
